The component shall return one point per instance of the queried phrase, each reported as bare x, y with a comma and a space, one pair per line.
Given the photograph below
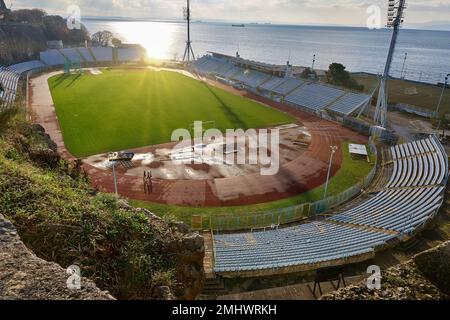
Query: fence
287, 215
415, 110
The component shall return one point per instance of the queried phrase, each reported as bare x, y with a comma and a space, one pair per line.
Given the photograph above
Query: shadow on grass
60, 80
233, 117
73, 80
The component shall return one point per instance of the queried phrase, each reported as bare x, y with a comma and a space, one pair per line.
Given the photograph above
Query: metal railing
292, 214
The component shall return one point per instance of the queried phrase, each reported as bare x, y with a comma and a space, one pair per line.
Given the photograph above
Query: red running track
305, 173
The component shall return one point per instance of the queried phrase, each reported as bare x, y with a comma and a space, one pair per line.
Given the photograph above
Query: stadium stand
231, 72
52, 57
301, 245
412, 198
9, 82
272, 84
224, 68
85, 53
129, 54
313, 96
71, 54
287, 86
102, 54
349, 103
24, 67
413, 194
251, 78
209, 64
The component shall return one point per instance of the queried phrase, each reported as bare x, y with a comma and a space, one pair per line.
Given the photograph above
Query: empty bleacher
231, 72
314, 97
349, 103
272, 83
311, 96
52, 57
311, 243
72, 54
412, 197
413, 194
221, 70
287, 86
208, 64
86, 54
251, 78
9, 81
132, 54
24, 67
103, 54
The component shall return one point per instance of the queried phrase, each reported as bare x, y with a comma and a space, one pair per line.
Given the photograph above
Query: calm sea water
359, 49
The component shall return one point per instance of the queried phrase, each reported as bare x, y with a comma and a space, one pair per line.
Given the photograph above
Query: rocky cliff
25, 276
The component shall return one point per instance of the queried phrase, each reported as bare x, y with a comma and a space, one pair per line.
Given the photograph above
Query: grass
352, 171
57, 217
427, 96
128, 109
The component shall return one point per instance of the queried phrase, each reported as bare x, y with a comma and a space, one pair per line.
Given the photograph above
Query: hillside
129, 252
425, 277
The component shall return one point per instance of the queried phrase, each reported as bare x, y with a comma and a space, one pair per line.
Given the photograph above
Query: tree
337, 75
102, 38
33, 16
55, 28
308, 73
116, 42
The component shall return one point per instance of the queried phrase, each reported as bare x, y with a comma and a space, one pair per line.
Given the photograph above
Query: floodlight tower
188, 52
396, 9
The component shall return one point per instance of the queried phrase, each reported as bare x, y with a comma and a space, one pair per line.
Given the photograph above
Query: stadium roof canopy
265, 67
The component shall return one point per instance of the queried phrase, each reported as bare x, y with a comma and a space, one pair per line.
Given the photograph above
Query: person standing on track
150, 183
145, 182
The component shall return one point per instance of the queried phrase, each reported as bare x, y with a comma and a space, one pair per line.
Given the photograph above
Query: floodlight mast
188, 52
396, 10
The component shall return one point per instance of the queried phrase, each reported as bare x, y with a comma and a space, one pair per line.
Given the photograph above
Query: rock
44, 157
194, 242
24, 276
425, 277
37, 128
181, 227
162, 293
435, 265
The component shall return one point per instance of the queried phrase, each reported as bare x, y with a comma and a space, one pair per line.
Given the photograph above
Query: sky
326, 12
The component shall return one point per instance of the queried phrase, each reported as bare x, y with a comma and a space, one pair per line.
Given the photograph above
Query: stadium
346, 189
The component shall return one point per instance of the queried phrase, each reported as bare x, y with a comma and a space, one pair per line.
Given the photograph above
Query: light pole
442, 95
333, 151
403, 74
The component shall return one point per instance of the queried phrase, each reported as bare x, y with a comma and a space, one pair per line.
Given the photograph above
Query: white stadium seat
413, 197
10, 82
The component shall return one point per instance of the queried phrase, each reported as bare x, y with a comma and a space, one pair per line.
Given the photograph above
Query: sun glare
157, 38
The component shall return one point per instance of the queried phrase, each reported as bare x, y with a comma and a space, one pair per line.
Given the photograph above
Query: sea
359, 49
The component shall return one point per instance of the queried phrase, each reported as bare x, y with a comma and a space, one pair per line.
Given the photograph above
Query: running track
302, 174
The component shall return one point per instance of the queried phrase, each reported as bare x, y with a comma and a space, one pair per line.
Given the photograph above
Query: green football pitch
122, 109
